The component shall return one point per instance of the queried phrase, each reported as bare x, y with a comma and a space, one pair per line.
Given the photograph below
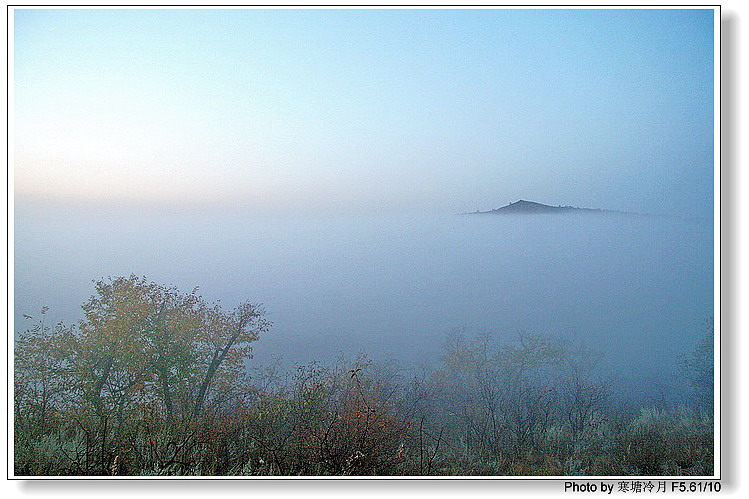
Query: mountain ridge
523, 207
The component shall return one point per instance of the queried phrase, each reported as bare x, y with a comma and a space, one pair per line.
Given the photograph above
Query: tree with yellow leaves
141, 349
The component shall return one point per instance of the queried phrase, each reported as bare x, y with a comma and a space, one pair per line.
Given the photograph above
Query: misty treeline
154, 381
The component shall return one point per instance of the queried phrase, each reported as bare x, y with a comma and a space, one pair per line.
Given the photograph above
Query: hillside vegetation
154, 381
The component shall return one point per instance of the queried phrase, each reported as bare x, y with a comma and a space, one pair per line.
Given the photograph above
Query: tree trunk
167, 393
218, 358
97, 400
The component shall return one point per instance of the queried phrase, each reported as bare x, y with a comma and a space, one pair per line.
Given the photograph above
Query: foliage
699, 369
143, 354
153, 381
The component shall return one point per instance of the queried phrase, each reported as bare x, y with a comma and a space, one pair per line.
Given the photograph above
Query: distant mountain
523, 207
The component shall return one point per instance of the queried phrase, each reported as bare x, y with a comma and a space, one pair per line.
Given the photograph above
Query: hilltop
523, 207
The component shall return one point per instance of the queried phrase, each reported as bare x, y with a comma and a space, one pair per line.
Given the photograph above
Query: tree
699, 368
226, 340
582, 397
501, 395
530, 390
38, 385
173, 347
142, 349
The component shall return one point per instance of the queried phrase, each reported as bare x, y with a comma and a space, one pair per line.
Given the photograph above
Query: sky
319, 110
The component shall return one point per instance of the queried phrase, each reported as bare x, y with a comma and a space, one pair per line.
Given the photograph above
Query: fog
318, 164
637, 289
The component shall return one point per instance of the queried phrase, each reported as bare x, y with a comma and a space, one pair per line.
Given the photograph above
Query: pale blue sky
449, 110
